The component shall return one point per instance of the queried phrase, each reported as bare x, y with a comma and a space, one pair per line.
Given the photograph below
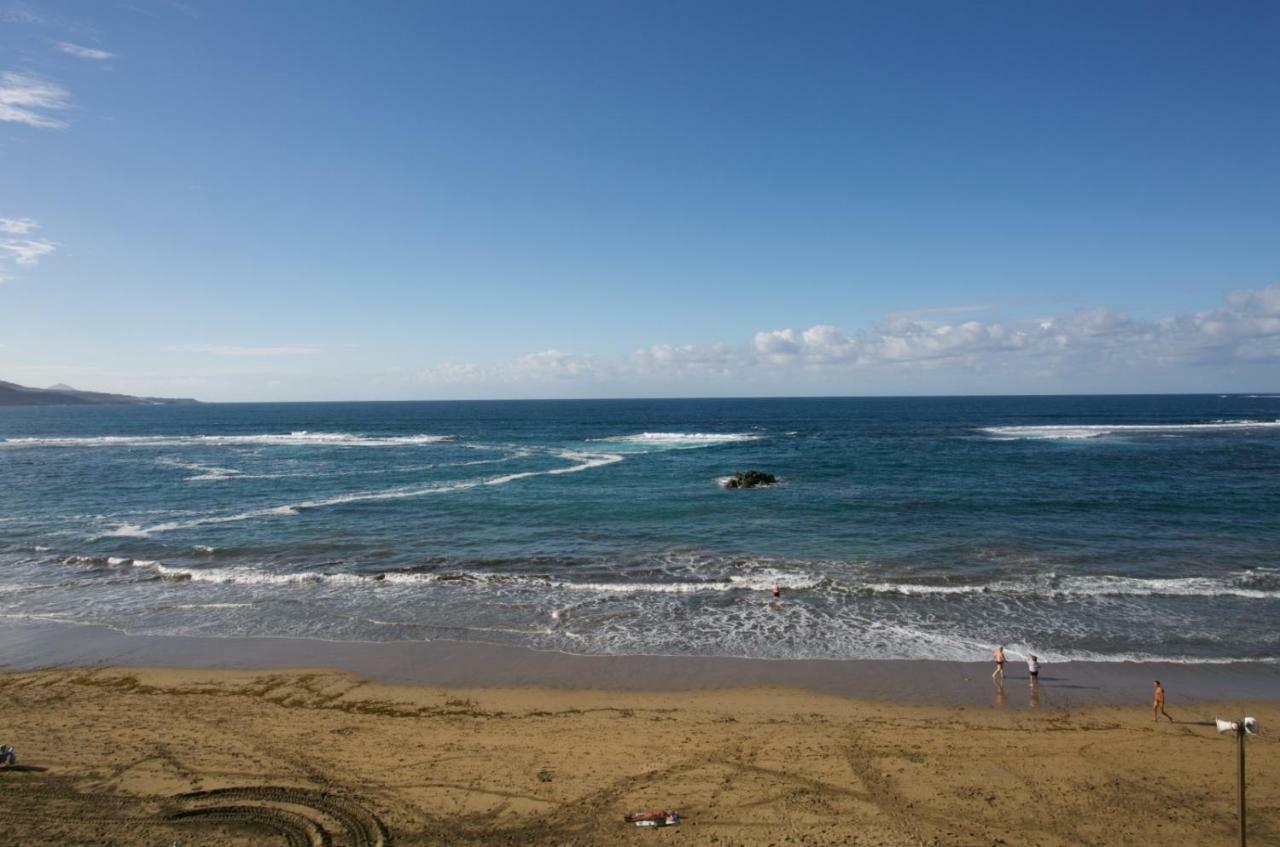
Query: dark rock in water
750, 479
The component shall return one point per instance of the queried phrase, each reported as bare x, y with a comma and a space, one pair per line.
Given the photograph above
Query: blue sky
280, 200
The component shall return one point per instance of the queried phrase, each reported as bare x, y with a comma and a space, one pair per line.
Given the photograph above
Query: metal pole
1240, 779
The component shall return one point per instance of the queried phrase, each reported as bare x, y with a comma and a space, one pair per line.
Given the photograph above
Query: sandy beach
114, 755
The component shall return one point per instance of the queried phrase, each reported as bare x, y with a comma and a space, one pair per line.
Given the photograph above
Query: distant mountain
12, 394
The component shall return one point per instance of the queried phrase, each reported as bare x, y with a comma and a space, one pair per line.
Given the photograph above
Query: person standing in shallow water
1157, 704
998, 653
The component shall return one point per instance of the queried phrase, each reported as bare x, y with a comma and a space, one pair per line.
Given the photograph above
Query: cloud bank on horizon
1244, 329
1235, 346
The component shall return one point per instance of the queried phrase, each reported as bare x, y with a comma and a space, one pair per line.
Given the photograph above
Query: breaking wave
681, 439
301, 438
1256, 584
1071, 432
1260, 584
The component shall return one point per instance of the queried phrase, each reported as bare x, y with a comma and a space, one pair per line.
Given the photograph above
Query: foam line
1070, 432
1256, 584
681, 439
585, 461
300, 438
1249, 584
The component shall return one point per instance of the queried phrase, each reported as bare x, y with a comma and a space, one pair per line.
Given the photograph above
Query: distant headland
12, 394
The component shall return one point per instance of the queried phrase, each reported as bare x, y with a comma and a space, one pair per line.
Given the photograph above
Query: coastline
143, 740
472, 665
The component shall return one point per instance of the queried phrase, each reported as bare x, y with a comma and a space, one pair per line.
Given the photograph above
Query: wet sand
463, 664
115, 753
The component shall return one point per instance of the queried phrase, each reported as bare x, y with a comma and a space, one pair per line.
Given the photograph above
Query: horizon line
1258, 392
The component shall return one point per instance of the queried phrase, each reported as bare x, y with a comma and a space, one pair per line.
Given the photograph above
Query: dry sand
113, 756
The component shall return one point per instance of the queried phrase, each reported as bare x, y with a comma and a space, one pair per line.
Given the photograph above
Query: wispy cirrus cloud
17, 226
232, 350
27, 251
82, 52
29, 99
21, 251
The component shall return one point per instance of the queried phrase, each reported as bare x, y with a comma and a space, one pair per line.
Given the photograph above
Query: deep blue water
1077, 527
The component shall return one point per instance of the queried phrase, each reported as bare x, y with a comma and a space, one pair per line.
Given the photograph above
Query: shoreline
216, 742
476, 665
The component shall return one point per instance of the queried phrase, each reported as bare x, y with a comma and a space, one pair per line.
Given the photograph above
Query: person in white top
1033, 668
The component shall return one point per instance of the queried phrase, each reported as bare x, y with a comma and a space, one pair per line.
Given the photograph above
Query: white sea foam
760, 583
1071, 432
244, 575
654, 616
583, 461
212, 605
202, 471
1253, 584
300, 438
681, 439
136, 531
1238, 584
128, 530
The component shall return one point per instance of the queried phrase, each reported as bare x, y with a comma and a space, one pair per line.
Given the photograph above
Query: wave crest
1072, 432
300, 438
681, 439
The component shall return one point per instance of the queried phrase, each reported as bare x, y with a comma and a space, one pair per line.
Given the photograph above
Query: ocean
1078, 528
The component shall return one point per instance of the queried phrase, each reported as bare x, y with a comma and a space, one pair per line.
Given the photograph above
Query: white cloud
687, 360
27, 99
776, 345
1077, 347
18, 226
27, 251
21, 251
84, 52
237, 351
554, 364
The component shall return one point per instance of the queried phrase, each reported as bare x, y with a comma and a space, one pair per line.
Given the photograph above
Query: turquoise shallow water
1080, 528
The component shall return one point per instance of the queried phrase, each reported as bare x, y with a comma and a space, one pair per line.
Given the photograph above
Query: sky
374, 200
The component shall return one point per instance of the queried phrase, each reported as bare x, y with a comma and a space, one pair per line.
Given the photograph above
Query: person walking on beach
998, 653
1033, 668
1157, 705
